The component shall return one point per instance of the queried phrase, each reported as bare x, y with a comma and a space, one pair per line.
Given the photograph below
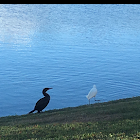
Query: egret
43, 102
92, 93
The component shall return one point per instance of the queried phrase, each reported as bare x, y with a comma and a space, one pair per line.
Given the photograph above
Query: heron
43, 102
92, 93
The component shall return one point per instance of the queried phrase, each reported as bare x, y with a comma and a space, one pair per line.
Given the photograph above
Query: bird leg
89, 101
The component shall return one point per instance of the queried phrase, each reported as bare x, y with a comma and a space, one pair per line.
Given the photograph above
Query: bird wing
92, 93
42, 103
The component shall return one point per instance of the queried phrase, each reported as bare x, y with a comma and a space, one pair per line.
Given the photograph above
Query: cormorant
43, 102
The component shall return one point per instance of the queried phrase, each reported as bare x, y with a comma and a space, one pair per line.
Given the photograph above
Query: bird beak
49, 88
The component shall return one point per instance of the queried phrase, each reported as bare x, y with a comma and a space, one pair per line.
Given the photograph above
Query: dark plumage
43, 102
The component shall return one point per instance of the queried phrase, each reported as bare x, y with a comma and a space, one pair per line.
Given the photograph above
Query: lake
68, 48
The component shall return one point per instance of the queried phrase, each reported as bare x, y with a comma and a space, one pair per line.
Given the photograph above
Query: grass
114, 120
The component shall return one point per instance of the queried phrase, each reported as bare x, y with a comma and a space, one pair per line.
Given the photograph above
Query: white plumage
92, 93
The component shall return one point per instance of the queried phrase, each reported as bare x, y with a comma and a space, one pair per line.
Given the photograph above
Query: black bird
43, 102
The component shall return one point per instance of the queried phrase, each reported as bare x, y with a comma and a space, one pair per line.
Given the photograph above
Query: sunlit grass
70, 131
113, 120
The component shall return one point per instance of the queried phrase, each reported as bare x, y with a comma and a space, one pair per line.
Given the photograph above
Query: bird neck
45, 94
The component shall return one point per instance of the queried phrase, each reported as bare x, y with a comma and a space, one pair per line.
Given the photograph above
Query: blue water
69, 48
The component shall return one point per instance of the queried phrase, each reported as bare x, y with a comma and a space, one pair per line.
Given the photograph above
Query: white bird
92, 93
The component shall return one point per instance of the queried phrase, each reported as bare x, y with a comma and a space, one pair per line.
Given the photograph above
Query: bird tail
32, 111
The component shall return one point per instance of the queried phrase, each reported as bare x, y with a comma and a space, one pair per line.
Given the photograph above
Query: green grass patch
114, 120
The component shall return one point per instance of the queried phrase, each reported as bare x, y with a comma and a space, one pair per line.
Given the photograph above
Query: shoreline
117, 119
